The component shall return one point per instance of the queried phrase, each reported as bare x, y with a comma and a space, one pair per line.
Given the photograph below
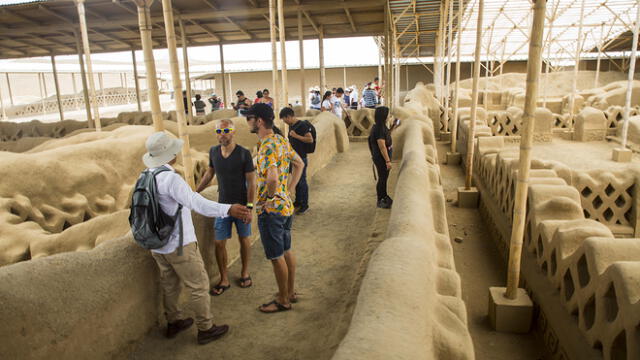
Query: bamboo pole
146, 29
303, 90
9, 88
4, 111
87, 54
41, 93
274, 55
135, 79
520, 207
323, 76
632, 69
169, 28
75, 91
44, 86
485, 97
456, 100
406, 76
344, 77
597, 77
85, 86
380, 55
187, 77
101, 86
224, 79
57, 84
437, 71
448, 74
474, 98
283, 56
574, 85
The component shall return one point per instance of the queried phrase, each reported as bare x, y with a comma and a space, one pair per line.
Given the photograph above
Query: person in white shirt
337, 103
188, 267
326, 101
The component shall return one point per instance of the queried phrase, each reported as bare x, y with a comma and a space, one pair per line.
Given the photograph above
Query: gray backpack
151, 227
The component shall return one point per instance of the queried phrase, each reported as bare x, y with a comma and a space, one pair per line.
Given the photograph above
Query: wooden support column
437, 70
574, 85
474, 99
456, 100
75, 91
283, 57
9, 88
187, 77
42, 95
224, 79
632, 69
4, 110
323, 76
101, 86
146, 28
169, 28
135, 79
303, 90
524, 165
274, 55
57, 84
449, 38
600, 48
87, 54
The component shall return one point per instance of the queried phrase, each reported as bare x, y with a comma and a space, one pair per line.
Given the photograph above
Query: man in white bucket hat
187, 268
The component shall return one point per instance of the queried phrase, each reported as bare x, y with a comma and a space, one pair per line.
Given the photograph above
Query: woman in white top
326, 101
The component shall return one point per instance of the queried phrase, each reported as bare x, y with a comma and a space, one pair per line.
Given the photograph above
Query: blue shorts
223, 227
275, 234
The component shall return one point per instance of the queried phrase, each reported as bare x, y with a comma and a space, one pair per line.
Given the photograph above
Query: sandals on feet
219, 290
279, 307
243, 282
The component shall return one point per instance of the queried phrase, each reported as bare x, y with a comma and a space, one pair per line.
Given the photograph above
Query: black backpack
310, 148
151, 227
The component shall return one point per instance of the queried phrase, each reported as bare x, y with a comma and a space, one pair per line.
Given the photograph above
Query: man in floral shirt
274, 206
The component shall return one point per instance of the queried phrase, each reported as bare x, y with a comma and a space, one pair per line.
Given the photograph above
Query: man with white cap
184, 264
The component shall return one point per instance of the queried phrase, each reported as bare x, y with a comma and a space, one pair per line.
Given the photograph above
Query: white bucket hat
161, 148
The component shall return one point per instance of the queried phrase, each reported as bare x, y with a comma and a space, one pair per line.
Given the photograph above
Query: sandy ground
480, 266
332, 243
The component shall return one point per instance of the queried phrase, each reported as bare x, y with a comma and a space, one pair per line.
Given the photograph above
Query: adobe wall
397, 317
65, 275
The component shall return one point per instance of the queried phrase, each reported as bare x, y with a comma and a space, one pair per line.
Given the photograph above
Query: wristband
250, 206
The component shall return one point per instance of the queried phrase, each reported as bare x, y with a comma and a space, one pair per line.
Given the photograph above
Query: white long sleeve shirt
173, 190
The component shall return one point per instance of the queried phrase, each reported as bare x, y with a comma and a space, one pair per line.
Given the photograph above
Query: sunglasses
225, 130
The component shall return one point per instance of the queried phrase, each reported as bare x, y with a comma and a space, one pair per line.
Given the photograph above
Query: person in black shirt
299, 136
233, 166
380, 147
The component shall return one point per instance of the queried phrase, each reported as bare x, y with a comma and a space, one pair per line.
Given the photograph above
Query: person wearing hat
215, 102
188, 267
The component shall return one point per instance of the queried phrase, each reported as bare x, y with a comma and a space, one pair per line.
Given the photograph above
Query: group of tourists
167, 230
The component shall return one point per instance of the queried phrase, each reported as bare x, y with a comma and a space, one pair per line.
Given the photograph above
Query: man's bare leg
245, 254
281, 273
290, 259
221, 259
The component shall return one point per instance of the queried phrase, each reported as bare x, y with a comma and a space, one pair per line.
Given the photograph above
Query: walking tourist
243, 103
315, 99
326, 101
215, 102
233, 167
302, 139
369, 97
337, 103
380, 147
199, 105
278, 168
354, 97
179, 261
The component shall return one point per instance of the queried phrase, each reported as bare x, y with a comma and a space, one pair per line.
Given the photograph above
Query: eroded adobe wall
397, 317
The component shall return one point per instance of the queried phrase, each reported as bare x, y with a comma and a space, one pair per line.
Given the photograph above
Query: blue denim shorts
275, 234
223, 227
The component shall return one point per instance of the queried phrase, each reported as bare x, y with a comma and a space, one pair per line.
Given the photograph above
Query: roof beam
212, 5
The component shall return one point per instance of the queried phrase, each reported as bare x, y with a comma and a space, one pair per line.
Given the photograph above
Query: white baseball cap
161, 148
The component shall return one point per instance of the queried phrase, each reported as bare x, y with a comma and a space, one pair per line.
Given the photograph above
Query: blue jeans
302, 189
224, 225
275, 234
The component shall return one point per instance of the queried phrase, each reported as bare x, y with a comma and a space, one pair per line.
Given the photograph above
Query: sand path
480, 266
330, 242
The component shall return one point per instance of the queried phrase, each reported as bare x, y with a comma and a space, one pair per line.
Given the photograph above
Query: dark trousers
302, 189
383, 175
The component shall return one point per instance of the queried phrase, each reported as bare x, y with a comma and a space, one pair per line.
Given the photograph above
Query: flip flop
244, 281
279, 307
218, 288
293, 299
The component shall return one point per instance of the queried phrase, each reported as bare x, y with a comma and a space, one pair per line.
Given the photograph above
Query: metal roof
30, 29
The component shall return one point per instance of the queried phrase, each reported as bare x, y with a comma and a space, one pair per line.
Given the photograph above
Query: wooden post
474, 98
187, 77
485, 97
456, 100
632, 69
87, 54
596, 80
303, 90
437, 69
42, 95
406, 75
135, 79
9, 88
169, 28
224, 80
101, 86
57, 84
380, 55
4, 111
520, 206
323, 76
274, 55
448, 75
146, 28
283, 57
75, 91
574, 85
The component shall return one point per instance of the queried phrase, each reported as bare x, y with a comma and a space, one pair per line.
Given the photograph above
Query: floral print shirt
274, 151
